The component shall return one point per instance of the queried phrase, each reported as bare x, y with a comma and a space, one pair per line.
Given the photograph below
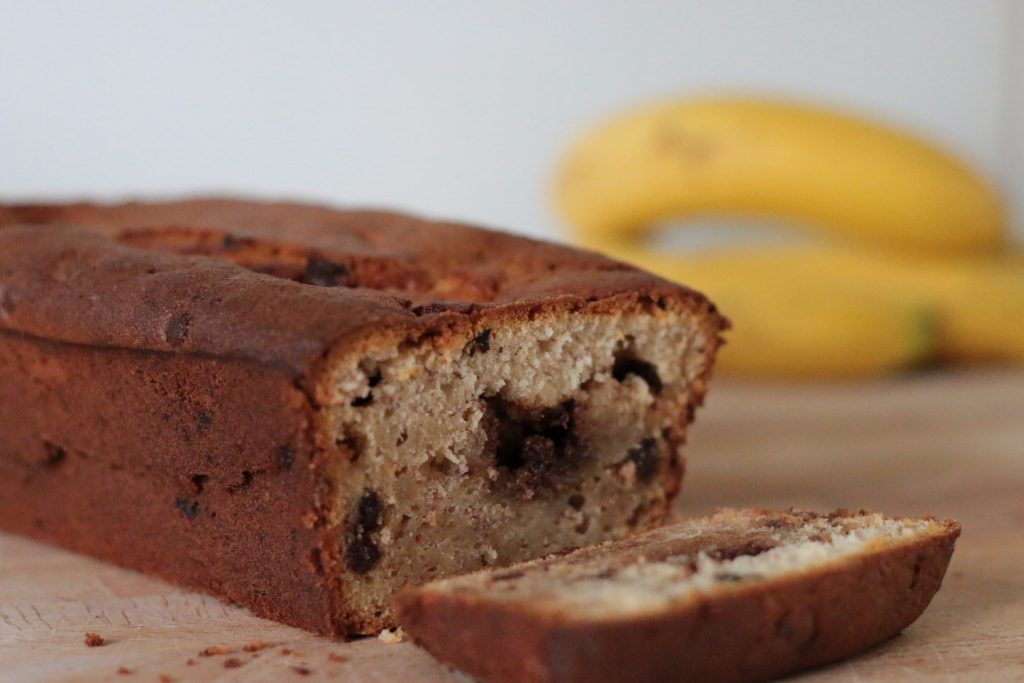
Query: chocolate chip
177, 328
361, 553
431, 308
626, 365
247, 477
749, 549
646, 458
481, 343
198, 480
323, 273
55, 455
533, 449
187, 506
285, 457
230, 243
538, 449
368, 516
507, 575
576, 501
373, 379
527, 437
203, 422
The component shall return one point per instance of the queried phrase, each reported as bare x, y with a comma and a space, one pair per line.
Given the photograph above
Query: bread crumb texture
558, 432
392, 636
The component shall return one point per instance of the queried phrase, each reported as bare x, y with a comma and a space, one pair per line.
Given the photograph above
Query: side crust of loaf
745, 631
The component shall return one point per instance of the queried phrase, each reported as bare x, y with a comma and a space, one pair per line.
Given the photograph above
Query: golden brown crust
164, 364
113, 276
754, 632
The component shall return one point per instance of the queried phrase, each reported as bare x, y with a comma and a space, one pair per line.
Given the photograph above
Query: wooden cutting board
949, 444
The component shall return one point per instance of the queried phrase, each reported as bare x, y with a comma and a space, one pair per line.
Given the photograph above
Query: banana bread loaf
302, 410
740, 596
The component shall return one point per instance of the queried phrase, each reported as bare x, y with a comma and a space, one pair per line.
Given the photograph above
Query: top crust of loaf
117, 276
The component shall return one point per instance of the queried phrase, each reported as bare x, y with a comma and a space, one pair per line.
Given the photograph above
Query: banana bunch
915, 268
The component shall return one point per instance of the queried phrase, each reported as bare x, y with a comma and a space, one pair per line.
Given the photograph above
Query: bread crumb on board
392, 636
94, 640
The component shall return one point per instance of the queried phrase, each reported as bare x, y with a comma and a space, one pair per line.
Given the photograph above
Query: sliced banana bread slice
744, 595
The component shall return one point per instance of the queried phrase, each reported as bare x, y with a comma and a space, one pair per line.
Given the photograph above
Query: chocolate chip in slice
626, 365
323, 273
230, 243
189, 507
480, 343
285, 457
55, 454
177, 329
646, 458
361, 553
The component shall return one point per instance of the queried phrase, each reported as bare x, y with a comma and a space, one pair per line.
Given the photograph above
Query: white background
458, 109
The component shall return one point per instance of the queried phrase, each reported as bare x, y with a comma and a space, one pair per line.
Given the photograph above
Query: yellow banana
791, 325
977, 303
835, 311
824, 170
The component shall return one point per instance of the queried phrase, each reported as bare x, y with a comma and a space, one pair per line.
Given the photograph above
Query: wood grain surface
948, 444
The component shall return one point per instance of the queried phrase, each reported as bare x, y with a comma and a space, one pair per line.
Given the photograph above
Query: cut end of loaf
508, 438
